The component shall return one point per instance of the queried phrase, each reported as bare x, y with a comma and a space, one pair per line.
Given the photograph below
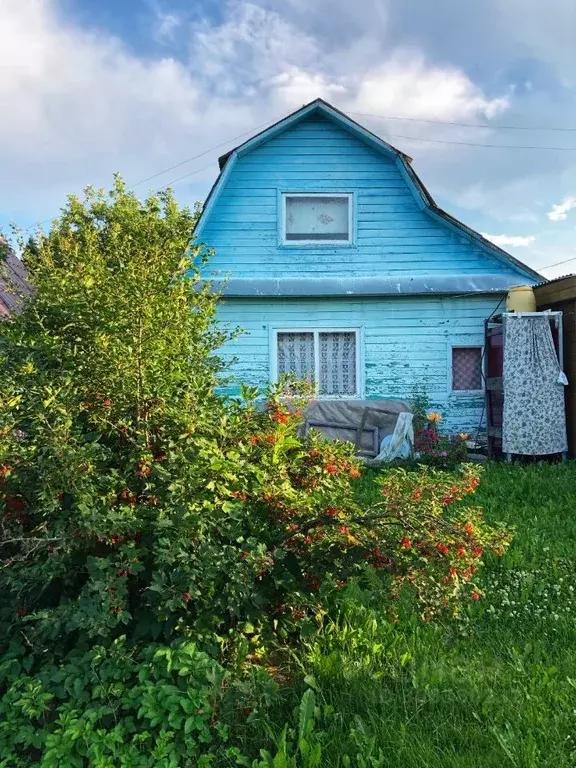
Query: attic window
315, 218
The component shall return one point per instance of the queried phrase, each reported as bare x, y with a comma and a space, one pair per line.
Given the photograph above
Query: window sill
323, 398
309, 244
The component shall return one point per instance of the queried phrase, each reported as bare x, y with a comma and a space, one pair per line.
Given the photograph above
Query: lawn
496, 689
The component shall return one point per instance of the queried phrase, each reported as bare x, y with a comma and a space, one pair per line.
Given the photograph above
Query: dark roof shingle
14, 286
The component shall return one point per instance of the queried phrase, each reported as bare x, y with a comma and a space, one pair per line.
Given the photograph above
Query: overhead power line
364, 114
558, 263
202, 154
178, 165
474, 144
468, 125
185, 176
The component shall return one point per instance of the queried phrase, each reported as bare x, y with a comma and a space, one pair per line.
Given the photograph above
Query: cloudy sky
88, 88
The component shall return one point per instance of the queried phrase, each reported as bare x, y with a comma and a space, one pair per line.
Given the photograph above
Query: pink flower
443, 453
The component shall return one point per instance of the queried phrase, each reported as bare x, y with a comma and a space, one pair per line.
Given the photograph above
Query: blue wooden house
334, 258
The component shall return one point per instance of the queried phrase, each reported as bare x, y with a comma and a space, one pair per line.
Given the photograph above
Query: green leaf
306, 713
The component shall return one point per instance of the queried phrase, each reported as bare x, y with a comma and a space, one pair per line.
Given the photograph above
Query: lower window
466, 369
329, 359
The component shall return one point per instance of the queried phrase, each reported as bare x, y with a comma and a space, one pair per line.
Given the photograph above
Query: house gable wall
394, 233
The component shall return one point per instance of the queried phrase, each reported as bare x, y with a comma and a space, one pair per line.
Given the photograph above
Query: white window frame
319, 243
460, 392
316, 332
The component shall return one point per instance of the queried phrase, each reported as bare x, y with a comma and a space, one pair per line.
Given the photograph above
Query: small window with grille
466, 369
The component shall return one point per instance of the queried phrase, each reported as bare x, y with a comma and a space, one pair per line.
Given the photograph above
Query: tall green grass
496, 690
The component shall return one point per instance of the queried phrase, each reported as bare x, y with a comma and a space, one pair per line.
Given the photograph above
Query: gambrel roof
423, 198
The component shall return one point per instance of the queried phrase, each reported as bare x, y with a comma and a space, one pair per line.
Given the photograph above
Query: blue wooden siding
394, 236
407, 342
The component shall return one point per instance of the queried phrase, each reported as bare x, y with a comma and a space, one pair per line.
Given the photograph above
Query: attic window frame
284, 195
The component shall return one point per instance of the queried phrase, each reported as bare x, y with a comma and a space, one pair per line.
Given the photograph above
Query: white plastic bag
400, 444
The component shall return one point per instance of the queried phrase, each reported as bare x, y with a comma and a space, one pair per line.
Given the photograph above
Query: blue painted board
393, 234
406, 343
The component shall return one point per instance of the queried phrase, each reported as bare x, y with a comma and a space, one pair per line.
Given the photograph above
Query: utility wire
558, 263
398, 136
468, 125
202, 154
472, 144
177, 165
185, 176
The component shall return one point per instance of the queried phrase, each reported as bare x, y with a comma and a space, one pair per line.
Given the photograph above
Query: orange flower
343, 529
280, 417
405, 543
434, 416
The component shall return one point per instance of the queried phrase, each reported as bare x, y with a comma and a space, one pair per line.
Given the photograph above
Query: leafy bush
436, 448
113, 706
136, 501
137, 504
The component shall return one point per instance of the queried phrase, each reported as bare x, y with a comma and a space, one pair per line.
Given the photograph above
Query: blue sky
140, 85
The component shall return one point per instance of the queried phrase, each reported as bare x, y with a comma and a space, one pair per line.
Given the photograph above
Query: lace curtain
317, 218
466, 368
337, 363
296, 355
336, 355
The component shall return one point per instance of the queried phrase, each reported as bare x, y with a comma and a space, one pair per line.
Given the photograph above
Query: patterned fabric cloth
534, 421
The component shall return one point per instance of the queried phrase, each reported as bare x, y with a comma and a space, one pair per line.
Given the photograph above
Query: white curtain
317, 218
337, 374
296, 355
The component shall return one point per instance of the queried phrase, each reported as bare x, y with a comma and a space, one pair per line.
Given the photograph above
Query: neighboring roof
404, 162
14, 286
557, 290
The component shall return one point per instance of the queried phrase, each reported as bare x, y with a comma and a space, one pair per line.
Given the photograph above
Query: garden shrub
113, 706
135, 503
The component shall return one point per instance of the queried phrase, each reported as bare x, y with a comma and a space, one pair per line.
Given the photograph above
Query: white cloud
249, 49
77, 105
408, 86
517, 241
258, 47
166, 26
560, 211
